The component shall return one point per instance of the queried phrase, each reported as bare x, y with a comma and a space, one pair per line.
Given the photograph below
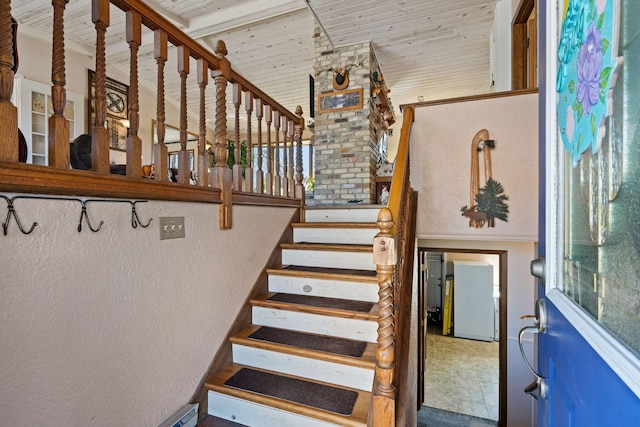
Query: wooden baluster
292, 181
259, 173
237, 166
9, 113
160, 152
221, 175
285, 181
134, 143
58, 124
203, 158
384, 256
268, 118
277, 182
299, 128
99, 134
184, 163
248, 170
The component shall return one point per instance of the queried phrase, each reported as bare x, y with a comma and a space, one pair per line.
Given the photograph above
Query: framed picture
173, 159
338, 101
117, 100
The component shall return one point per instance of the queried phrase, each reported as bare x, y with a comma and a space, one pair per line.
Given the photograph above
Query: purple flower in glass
589, 67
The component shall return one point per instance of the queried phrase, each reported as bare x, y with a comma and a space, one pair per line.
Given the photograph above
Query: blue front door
590, 213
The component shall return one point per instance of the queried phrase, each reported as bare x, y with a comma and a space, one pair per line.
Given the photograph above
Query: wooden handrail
401, 165
17, 177
393, 252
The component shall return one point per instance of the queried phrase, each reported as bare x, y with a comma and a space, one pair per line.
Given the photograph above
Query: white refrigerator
473, 302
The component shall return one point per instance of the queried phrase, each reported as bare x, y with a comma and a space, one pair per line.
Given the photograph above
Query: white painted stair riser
253, 414
355, 236
355, 329
342, 215
305, 367
357, 291
328, 259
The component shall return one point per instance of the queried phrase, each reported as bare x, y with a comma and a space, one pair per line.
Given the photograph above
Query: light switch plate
171, 227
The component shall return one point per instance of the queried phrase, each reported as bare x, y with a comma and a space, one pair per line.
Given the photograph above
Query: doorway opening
463, 371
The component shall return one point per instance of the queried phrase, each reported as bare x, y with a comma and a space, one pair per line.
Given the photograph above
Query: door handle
539, 387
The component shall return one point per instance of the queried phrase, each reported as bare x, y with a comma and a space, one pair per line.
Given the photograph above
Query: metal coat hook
12, 211
135, 219
84, 214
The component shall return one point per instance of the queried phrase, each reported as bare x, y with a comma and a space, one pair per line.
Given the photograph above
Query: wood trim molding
471, 98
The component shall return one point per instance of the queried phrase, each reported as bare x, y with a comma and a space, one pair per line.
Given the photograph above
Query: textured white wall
118, 327
441, 164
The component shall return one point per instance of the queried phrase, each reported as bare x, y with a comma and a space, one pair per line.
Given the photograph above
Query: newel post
220, 173
8, 112
384, 256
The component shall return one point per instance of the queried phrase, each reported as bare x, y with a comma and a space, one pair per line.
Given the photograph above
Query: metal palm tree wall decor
486, 203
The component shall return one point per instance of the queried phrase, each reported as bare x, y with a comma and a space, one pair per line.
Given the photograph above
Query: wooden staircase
321, 305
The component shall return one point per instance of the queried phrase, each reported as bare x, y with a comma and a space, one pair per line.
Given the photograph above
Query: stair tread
320, 352
363, 225
318, 305
325, 272
345, 247
357, 418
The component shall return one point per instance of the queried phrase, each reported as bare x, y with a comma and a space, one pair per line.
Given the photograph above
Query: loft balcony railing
271, 182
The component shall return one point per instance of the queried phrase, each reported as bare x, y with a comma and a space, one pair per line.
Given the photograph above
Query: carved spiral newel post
384, 256
8, 112
184, 161
298, 129
203, 158
221, 175
134, 143
160, 152
248, 170
58, 124
99, 134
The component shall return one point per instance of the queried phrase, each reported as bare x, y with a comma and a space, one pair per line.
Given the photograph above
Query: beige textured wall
441, 163
118, 327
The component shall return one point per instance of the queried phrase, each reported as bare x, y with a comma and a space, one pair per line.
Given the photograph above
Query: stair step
319, 305
335, 232
362, 213
321, 324
360, 285
261, 408
358, 257
347, 274
321, 347
353, 372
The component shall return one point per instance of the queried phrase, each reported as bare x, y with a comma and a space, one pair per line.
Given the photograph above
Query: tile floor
461, 375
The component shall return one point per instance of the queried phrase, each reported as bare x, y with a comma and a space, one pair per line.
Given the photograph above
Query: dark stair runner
323, 343
366, 273
339, 304
332, 399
